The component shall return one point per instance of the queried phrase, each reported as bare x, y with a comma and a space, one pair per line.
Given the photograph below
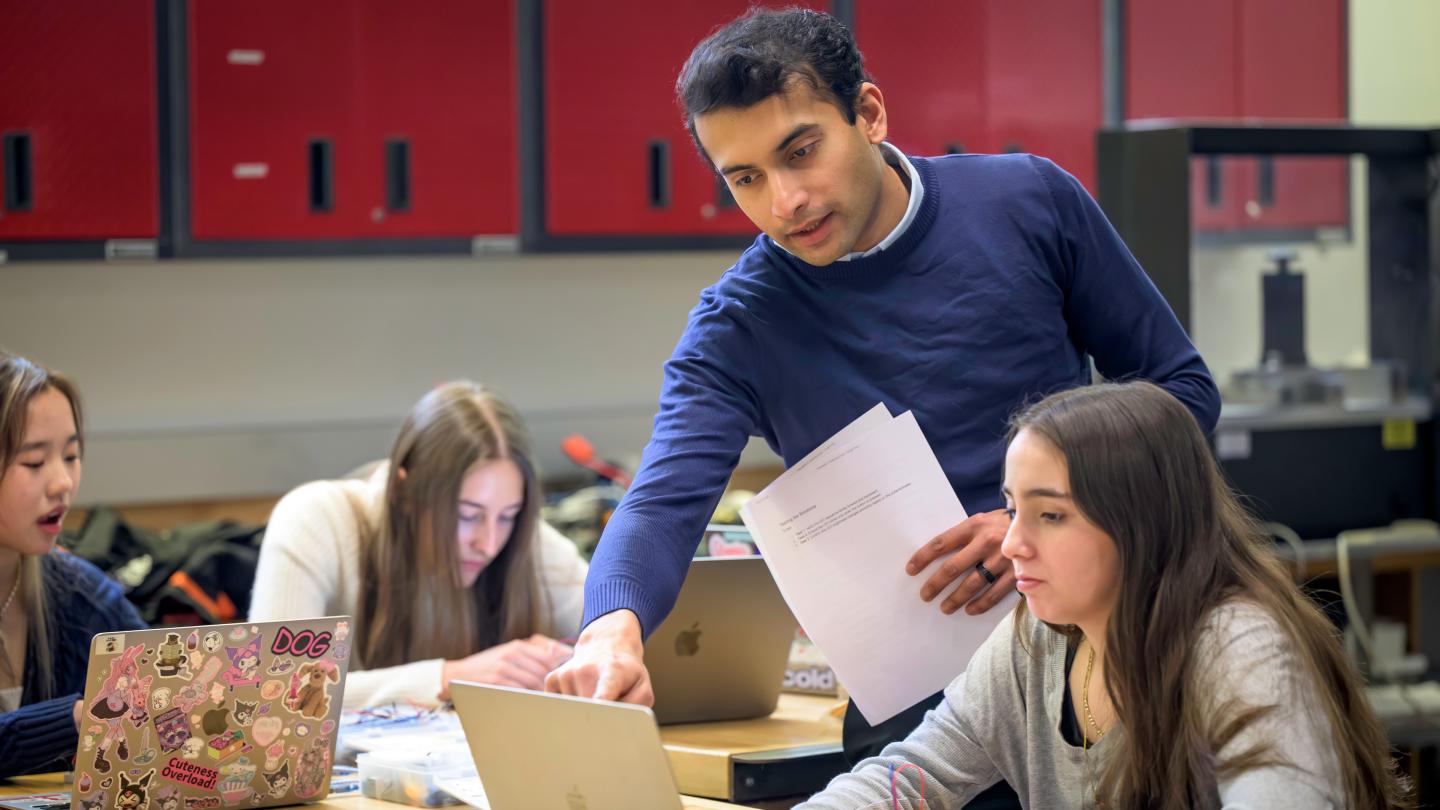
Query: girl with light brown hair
438, 555
1161, 657
51, 603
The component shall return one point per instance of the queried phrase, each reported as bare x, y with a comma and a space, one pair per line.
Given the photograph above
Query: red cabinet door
618, 160
78, 112
1182, 62
933, 86
1260, 60
436, 140
1043, 80
273, 152
1292, 67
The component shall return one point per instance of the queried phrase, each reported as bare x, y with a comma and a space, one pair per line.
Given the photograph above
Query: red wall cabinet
1263, 60
340, 120
78, 120
989, 76
618, 160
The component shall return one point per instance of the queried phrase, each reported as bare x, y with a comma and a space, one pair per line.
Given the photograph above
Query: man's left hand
974, 541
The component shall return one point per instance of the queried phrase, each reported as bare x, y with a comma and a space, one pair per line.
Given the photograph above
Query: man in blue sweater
958, 288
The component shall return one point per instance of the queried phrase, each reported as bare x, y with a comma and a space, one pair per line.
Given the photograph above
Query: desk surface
55, 782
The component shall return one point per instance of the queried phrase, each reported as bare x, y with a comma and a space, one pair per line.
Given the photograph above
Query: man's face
801, 172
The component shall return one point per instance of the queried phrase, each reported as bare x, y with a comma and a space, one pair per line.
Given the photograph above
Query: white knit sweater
310, 566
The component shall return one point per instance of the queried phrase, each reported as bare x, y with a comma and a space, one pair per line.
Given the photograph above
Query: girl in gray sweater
1161, 658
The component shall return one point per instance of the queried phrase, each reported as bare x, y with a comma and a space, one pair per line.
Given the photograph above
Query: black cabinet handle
1212, 181
1265, 181
19, 180
397, 174
659, 174
322, 175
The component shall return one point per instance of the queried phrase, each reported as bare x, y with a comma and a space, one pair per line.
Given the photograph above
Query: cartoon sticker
83, 783
194, 693
110, 645
123, 695
273, 755
192, 748
265, 730
202, 802
272, 689
302, 730
100, 801
235, 780
245, 712
132, 793
341, 651
170, 658
307, 695
280, 666
160, 699
278, 781
212, 642
227, 745
311, 770
244, 664
167, 798
342, 630
172, 729
327, 727
239, 634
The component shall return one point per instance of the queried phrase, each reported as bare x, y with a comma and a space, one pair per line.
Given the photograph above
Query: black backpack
198, 573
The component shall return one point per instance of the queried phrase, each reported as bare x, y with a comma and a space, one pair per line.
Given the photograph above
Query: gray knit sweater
1001, 720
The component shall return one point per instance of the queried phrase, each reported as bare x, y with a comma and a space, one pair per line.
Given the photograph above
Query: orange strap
223, 610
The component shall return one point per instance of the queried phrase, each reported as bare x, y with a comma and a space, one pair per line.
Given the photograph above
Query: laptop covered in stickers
219, 716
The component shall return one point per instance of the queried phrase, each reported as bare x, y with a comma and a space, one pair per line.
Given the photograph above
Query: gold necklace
1089, 718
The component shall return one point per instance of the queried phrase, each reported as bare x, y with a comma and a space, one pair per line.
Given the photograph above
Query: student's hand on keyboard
522, 663
609, 663
973, 542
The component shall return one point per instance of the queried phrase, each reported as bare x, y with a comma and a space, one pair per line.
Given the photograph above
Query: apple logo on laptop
687, 642
575, 800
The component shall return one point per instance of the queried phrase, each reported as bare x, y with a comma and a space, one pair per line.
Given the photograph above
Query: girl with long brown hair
51, 603
438, 555
1161, 657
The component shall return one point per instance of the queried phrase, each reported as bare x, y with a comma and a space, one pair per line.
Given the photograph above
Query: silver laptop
721, 653
202, 718
537, 750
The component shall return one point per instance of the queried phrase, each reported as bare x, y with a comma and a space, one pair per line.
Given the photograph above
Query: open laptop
721, 653
534, 749
202, 718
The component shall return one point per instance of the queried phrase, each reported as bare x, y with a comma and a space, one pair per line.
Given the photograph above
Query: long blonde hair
1141, 470
21, 381
412, 606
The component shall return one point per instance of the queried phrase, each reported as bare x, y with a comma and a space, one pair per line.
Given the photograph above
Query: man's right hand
609, 663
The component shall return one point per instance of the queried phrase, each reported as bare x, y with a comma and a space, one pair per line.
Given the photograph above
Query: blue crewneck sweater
82, 602
994, 296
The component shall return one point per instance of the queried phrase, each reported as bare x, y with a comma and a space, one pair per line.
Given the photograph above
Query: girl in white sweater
439, 556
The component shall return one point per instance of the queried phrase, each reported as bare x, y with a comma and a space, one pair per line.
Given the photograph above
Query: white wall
236, 378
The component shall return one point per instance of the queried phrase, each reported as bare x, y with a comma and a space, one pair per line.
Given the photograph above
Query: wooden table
794, 751
55, 782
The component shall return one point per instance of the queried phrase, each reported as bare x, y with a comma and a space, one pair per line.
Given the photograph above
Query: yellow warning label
1398, 434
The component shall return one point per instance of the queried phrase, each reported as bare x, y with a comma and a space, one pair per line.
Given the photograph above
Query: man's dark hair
761, 54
